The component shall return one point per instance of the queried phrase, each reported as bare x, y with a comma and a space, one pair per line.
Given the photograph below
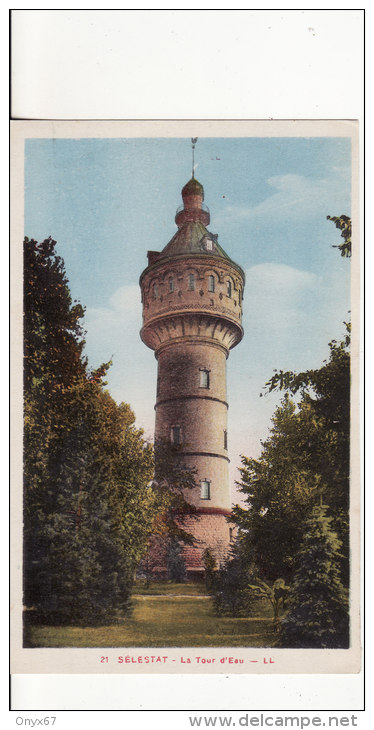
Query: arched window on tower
171, 284
155, 290
211, 283
229, 288
191, 282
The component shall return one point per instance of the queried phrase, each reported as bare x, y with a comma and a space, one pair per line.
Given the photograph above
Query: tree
53, 336
53, 345
304, 460
344, 224
281, 488
318, 611
324, 447
88, 506
231, 593
95, 510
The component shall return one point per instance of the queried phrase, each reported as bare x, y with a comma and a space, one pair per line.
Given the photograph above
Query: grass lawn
159, 621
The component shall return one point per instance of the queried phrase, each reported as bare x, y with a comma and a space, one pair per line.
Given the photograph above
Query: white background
173, 64
187, 64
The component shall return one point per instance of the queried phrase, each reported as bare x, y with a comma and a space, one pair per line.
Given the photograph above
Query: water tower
192, 295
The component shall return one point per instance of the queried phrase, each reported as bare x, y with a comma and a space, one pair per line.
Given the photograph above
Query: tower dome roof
192, 238
193, 187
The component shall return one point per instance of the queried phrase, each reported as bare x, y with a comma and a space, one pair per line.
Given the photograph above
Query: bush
318, 615
232, 595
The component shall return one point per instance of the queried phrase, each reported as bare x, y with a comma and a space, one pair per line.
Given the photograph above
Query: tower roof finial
193, 142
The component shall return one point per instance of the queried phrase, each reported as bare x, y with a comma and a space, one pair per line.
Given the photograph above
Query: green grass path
162, 621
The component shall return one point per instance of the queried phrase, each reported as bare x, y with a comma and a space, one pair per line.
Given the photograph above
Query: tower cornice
212, 260
211, 328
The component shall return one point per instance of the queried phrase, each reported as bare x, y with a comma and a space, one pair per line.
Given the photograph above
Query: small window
176, 438
204, 378
231, 532
209, 244
205, 489
211, 283
229, 288
240, 296
171, 284
191, 282
155, 291
225, 439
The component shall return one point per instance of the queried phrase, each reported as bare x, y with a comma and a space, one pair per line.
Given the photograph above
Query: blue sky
107, 201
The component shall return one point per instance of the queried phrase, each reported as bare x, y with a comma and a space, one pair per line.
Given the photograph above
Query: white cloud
297, 197
289, 317
122, 315
278, 295
280, 278
126, 300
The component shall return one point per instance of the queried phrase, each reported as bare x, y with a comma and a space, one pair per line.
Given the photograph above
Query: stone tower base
211, 530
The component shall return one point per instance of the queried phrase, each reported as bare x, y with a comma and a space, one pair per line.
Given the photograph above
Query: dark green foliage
232, 595
88, 510
94, 515
280, 492
345, 226
318, 607
53, 337
82, 576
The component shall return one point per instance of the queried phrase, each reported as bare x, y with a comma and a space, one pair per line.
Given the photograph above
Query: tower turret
192, 297
193, 208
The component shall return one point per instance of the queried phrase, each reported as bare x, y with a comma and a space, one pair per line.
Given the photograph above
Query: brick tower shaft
191, 411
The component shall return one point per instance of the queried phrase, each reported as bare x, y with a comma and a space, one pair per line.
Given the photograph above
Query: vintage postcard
185, 397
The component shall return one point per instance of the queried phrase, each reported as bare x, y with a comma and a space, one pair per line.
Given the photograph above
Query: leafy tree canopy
88, 504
